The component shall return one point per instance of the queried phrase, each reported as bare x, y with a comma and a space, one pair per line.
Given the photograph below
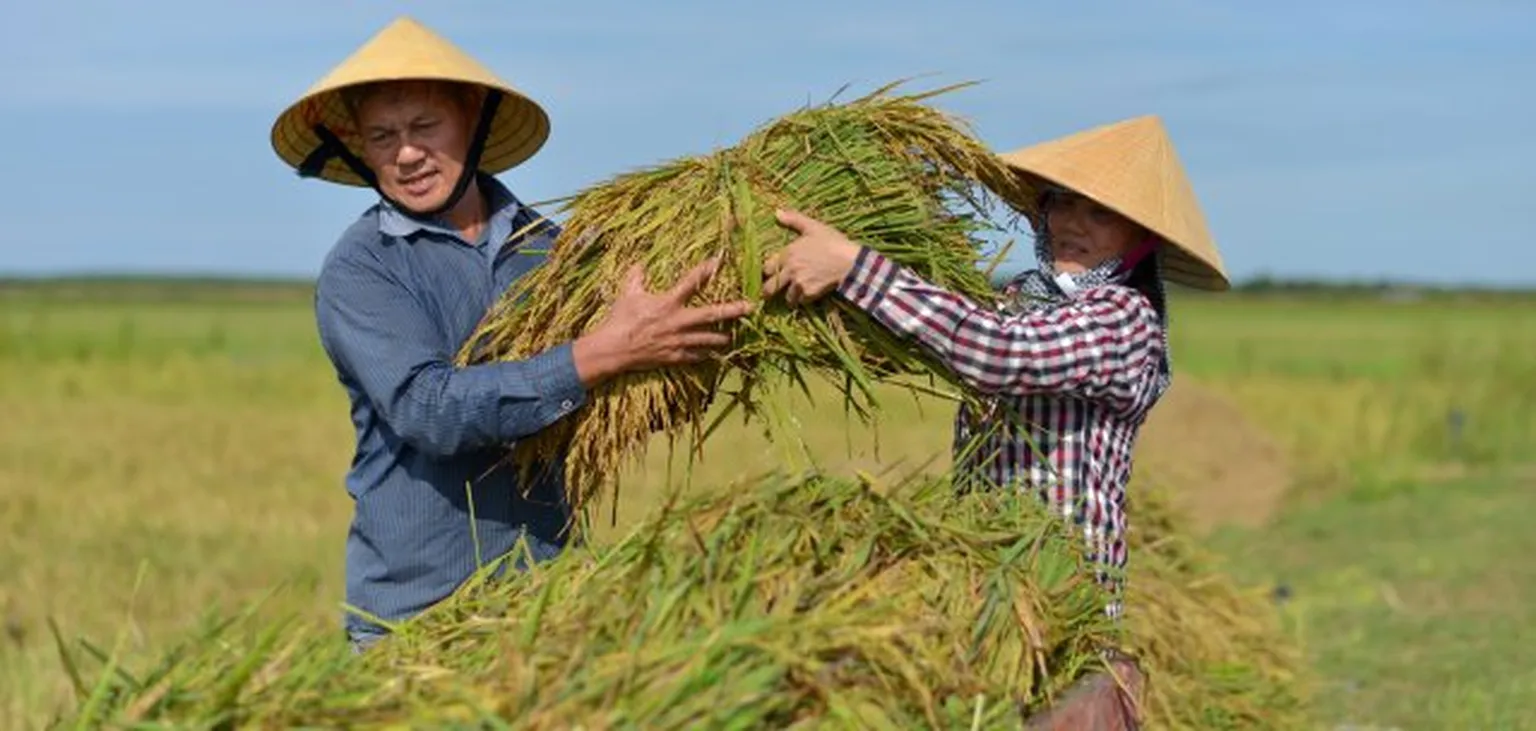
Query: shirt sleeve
376, 331
1104, 346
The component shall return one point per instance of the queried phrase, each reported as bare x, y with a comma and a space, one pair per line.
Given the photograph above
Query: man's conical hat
406, 50
1130, 167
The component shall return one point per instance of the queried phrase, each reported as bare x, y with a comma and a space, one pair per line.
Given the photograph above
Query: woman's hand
811, 265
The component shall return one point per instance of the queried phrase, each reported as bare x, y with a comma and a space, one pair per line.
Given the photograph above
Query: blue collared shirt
394, 301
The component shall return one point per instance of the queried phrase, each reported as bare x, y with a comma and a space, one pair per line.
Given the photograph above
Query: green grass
1415, 599
1368, 388
166, 451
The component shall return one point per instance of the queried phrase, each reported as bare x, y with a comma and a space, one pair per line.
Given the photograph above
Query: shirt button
566, 405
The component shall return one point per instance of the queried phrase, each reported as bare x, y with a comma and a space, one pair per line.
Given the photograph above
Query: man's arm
1098, 348
373, 328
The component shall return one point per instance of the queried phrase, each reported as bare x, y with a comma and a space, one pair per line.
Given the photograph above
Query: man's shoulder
362, 243
358, 251
358, 237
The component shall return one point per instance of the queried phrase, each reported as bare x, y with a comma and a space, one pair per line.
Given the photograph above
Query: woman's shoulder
1121, 296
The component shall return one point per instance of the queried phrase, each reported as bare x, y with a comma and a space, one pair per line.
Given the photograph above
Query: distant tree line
138, 286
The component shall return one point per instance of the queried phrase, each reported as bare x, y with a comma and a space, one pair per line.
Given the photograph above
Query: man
427, 127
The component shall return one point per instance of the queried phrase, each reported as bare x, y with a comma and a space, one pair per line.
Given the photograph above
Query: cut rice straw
888, 170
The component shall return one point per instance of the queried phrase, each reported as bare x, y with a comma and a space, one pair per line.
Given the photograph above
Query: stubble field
168, 450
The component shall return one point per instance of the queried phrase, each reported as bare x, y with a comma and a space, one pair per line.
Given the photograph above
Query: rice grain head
890, 171
775, 602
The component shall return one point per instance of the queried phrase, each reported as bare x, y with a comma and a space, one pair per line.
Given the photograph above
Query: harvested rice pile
788, 603
888, 170
817, 603
1215, 653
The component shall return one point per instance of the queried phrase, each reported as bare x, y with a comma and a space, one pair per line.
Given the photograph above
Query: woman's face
1084, 234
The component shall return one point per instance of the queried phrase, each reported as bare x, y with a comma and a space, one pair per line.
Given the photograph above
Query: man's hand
645, 330
811, 265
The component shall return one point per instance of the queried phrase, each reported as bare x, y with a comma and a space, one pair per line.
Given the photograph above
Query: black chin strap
331, 147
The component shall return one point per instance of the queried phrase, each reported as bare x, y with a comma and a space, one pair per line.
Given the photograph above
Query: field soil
1223, 468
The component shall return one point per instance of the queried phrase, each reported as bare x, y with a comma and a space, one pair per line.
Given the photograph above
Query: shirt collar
503, 206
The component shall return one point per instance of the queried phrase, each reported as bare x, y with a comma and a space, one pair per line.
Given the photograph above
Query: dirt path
1222, 468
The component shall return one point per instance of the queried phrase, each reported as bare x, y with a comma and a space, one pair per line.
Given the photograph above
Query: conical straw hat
1131, 168
406, 50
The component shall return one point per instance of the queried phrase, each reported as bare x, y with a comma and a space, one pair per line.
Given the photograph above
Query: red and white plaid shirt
1079, 378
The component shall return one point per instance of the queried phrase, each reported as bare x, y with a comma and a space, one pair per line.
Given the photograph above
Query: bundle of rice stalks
777, 604
815, 603
1215, 653
888, 170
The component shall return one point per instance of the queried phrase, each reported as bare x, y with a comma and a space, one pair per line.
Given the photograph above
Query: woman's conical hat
406, 50
1131, 168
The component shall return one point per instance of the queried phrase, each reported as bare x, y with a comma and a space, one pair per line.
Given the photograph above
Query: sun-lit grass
1373, 388
194, 449
199, 442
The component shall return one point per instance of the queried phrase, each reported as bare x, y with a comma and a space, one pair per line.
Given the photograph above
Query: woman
1080, 354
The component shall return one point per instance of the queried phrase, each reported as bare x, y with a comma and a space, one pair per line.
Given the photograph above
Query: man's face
415, 138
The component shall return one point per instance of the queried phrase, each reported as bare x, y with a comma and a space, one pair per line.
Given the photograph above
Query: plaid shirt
1078, 378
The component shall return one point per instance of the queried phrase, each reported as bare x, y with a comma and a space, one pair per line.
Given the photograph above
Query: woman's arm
1104, 346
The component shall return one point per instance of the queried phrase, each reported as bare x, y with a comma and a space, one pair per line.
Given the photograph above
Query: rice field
174, 449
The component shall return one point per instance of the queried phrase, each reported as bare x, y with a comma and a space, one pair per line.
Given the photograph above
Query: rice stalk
889, 170
780, 602
785, 602
1232, 666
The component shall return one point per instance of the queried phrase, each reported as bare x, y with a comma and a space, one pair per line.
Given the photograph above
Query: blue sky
1357, 140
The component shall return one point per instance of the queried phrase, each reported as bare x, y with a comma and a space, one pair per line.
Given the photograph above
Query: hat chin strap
1148, 243
331, 147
